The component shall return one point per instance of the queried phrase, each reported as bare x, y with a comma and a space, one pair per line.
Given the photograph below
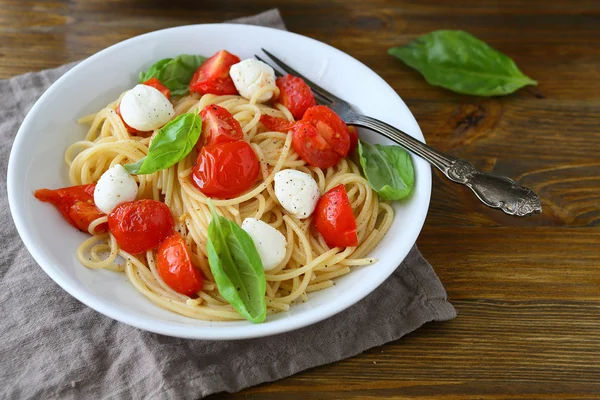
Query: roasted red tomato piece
276, 124
156, 84
213, 75
334, 219
311, 147
140, 225
76, 204
175, 266
353, 134
226, 170
295, 95
330, 127
219, 126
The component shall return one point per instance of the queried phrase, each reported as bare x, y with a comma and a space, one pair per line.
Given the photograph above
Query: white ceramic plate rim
197, 332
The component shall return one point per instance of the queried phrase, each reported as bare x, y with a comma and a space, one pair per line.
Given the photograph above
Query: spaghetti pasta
309, 264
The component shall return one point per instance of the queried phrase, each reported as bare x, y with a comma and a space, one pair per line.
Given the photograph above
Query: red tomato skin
225, 170
295, 95
175, 266
276, 124
330, 127
140, 225
219, 126
131, 130
76, 204
334, 219
83, 213
311, 147
156, 84
213, 75
353, 134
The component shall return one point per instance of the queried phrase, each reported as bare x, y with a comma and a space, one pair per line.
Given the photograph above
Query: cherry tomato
295, 95
276, 124
76, 204
353, 134
131, 130
311, 146
175, 266
156, 84
213, 75
219, 126
330, 127
334, 220
140, 225
225, 170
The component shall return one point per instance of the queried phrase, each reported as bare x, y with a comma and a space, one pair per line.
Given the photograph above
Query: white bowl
36, 161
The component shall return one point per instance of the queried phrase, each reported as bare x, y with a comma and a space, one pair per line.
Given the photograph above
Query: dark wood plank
527, 326
527, 290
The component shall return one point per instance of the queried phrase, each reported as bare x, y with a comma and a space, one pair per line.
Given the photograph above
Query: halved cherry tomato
353, 134
330, 127
76, 204
131, 130
276, 124
175, 266
225, 170
334, 220
295, 95
213, 75
219, 126
140, 225
311, 147
156, 84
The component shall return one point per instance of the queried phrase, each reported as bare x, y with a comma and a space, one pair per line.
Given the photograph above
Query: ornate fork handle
493, 190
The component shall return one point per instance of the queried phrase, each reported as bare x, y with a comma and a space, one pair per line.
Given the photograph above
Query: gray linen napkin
52, 346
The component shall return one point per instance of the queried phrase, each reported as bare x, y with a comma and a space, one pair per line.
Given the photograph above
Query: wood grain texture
527, 290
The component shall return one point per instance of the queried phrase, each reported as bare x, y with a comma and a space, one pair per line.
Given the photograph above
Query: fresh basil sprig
172, 142
237, 268
174, 73
460, 62
388, 169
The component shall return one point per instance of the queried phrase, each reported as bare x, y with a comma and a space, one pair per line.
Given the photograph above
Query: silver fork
493, 190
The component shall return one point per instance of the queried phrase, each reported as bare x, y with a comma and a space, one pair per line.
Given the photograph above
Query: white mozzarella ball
270, 243
251, 75
297, 192
114, 187
145, 108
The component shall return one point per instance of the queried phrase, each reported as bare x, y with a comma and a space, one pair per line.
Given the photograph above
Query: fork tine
316, 88
318, 96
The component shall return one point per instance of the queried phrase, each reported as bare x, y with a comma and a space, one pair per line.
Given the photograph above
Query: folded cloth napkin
52, 346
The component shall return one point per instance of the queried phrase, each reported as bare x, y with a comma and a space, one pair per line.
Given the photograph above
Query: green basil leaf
174, 73
460, 62
388, 169
154, 70
237, 268
135, 167
172, 142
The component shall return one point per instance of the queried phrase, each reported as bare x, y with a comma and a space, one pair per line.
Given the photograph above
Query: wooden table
527, 291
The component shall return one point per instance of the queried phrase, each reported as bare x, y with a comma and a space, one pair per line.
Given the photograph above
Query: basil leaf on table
237, 268
173, 141
388, 169
174, 73
460, 62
